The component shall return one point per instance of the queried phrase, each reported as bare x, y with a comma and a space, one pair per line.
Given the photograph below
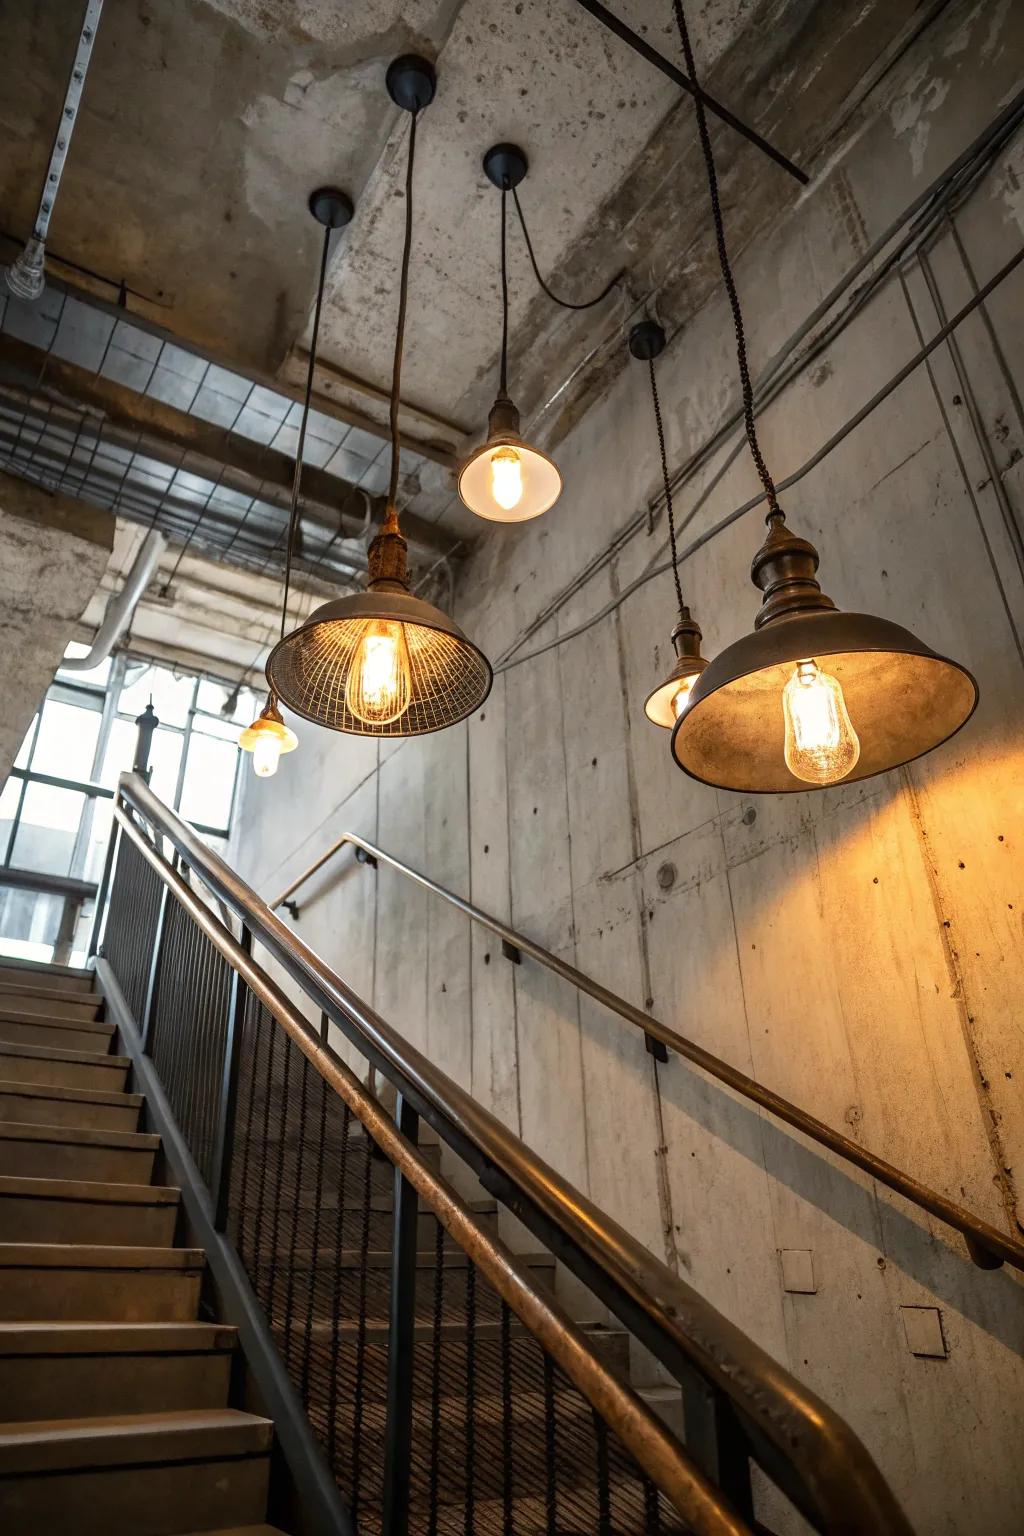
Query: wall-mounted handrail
656, 1450
987, 1246
805, 1446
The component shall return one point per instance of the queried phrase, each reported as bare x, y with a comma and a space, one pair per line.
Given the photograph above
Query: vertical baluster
652, 1509
227, 1103
470, 1395
254, 1036
282, 1125
336, 1299
145, 1018
261, 1192
435, 1377
318, 1196
401, 1335
359, 1393
506, 1419
550, 1448
104, 888
289, 1300
604, 1508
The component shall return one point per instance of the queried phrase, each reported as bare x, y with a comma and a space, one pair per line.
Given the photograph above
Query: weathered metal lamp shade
505, 480
901, 697
665, 704
268, 738
382, 662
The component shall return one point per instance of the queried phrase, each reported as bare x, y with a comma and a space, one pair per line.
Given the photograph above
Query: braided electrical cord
562, 303
774, 510
668, 489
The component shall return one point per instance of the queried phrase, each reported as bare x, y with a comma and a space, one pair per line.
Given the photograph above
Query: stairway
114, 1395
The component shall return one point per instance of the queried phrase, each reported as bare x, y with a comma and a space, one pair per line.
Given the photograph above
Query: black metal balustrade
447, 1389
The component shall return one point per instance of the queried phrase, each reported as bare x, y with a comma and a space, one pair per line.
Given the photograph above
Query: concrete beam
166, 428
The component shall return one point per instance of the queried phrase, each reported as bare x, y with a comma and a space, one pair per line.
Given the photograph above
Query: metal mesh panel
188, 1030
309, 1216
130, 932
309, 672
503, 1442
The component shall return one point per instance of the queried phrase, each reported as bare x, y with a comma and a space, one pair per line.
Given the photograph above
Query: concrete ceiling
206, 123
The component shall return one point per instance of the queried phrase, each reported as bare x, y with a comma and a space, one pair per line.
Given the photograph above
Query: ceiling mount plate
647, 340
505, 165
331, 207
411, 82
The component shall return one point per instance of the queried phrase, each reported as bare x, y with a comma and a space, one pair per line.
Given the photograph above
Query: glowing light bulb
379, 683
681, 697
266, 755
822, 746
507, 478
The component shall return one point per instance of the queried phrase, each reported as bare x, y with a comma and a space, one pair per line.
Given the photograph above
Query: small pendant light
383, 662
814, 696
506, 480
268, 737
666, 702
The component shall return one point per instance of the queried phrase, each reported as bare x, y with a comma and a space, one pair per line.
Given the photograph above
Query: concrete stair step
62, 1068
72, 1282
84, 1108
56, 1034
105, 1214
66, 1152
76, 1370
55, 1002
32, 973
149, 1474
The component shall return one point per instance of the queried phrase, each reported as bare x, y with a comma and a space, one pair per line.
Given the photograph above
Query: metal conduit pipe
26, 276
122, 605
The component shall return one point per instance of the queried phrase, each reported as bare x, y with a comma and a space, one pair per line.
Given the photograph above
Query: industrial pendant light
814, 696
506, 480
268, 737
665, 703
384, 663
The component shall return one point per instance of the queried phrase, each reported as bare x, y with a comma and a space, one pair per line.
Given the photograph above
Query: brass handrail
655, 1449
837, 1483
987, 1246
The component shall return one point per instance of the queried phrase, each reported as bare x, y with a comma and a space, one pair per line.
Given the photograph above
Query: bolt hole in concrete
666, 876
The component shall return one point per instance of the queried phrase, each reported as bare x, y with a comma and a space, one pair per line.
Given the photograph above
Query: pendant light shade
268, 738
505, 480
768, 705
665, 704
381, 662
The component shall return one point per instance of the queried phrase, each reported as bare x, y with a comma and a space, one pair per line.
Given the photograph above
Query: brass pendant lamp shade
901, 698
665, 703
383, 662
506, 480
440, 676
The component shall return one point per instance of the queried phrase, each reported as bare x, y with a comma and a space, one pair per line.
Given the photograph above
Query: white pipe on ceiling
121, 607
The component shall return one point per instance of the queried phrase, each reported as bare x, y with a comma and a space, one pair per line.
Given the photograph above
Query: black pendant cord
503, 378
293, 516
562, 303
668, 489
774, 510
403, 304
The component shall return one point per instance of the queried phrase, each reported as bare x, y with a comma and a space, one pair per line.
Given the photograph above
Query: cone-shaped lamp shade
901, 697
381, 662
268, 738
505, 480
665, 703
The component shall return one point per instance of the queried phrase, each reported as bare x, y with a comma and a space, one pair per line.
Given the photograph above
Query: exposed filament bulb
379, 684
507, 478
822, 746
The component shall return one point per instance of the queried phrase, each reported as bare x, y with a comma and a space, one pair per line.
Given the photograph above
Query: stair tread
71, 1095
88, 1338
89, 1191
10, 988
43, 971
47, 1053
54, 1021
73, 1135
47, 1445
97, 1256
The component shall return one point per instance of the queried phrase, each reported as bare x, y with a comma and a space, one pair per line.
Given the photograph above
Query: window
56, 807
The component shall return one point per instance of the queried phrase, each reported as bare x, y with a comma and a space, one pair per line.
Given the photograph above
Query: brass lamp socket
387, 557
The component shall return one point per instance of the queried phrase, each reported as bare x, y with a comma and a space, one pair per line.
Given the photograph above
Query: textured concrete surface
53, 553
858, 950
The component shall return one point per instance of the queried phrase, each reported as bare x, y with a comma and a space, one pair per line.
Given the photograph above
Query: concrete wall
53, 553
859, 950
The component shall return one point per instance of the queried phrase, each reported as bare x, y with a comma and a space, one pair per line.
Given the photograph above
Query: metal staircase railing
445, 1384
987, 1246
